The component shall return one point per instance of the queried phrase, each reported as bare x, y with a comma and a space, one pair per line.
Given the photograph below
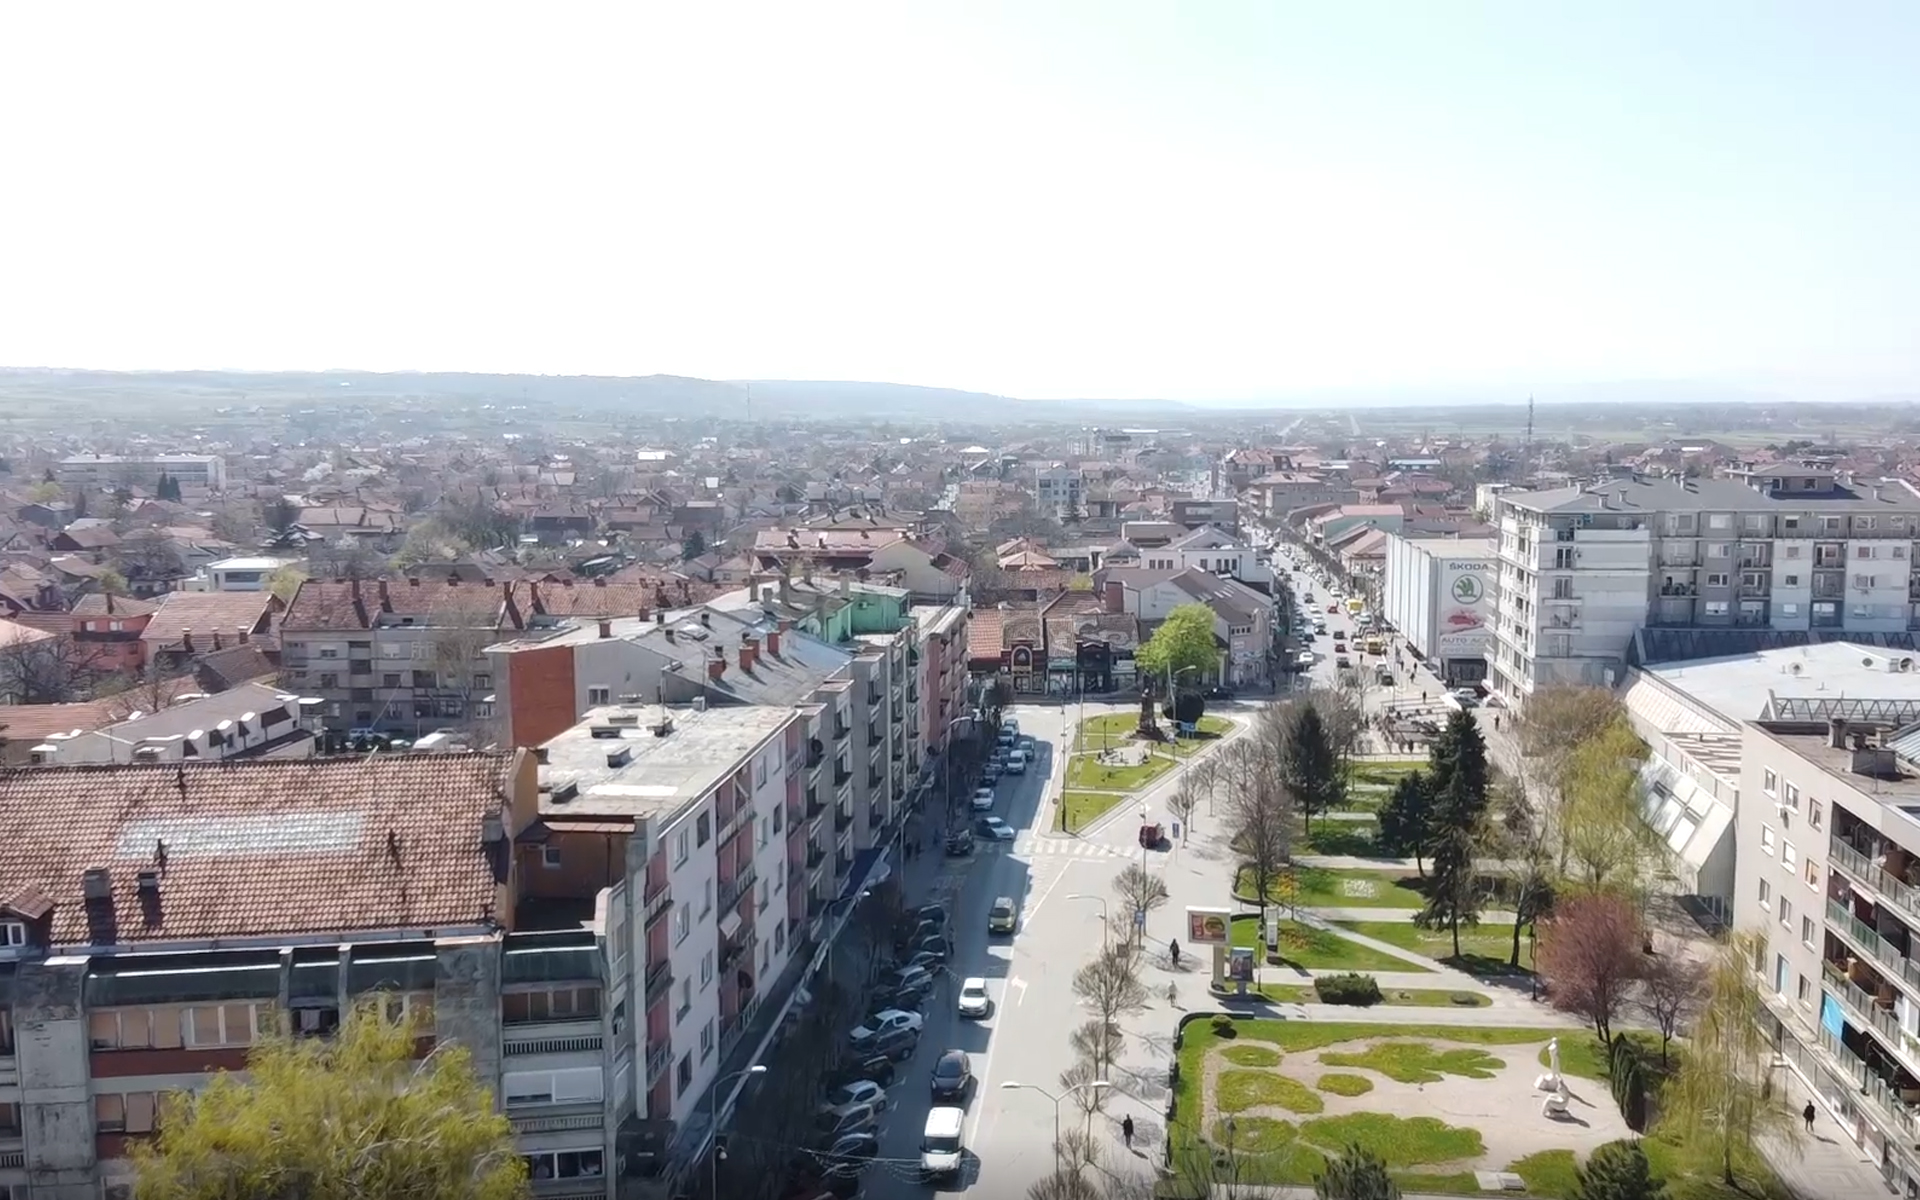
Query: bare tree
1142, 892
457, 652
1260, 815
54, 670
1110, 986
147, 692
1590, 953
1672, 989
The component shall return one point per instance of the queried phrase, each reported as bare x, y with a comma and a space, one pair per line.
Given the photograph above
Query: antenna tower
1526, 448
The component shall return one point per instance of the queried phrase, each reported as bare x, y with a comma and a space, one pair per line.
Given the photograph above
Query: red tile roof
206, 613
255, 848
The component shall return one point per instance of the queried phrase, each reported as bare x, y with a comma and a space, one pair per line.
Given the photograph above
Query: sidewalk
1827, 1164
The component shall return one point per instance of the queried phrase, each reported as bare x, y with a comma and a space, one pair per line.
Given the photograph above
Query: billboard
1463, 623
1208, 926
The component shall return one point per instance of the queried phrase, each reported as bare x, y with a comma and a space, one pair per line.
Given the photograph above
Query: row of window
561, 1002
173, 1026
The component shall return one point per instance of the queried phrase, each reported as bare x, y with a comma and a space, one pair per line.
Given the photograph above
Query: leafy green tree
1453, 887
1183, 646
1721, 1102
1406, 819
1618, 1171
1309, 769
693, 545
1356, 1174
372, 1123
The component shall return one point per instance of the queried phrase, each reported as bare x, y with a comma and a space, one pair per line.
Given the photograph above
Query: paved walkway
1827, 1165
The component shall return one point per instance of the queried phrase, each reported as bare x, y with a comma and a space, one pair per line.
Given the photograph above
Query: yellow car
1000, 919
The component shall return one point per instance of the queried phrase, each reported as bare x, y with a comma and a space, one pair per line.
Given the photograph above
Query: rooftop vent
603, 732
97, 884
624, 755
149, 882
663, 726
564, 792
630, 720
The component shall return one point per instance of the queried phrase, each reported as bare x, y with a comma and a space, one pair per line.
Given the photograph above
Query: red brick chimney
749, 653
716, 667
606, 628
186, 640
773, 642
245, 636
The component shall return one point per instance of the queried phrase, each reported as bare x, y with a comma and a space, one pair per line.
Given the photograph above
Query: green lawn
1383, 773
1276, 1152
1303, 993
1079, 809
1085, 772
1318, 949
1114, 729
1251, 1056
1418, 1062
1326, 887
1242, 1090
1583, 1057
1484, 950
1341, 1084
1357, 839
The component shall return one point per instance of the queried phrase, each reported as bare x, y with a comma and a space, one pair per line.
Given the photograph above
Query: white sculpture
1552, 1081
1553, 1057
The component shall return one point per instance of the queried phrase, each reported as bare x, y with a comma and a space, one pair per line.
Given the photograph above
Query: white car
887, 1021
861, 1091
996, 829
983, 799
974, 1001
1017, 763
1306, 658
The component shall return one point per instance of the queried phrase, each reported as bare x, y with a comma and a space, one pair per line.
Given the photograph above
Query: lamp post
713, 1125
1091, 1084
1106, 925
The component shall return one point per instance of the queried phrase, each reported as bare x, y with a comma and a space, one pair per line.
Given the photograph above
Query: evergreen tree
693, 545
1406, 819
1461, 750
1356, 1174
1618, 1171
1453, 887
1308, 763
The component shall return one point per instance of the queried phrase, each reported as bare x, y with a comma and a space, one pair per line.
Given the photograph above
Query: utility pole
1526, 447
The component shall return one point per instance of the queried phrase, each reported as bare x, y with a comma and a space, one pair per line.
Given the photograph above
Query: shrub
1223, 1026
1627, 1081
1353, 988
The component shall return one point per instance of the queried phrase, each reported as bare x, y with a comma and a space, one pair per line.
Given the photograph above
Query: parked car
849, 1156
952, 1076
847, 1118
938, 946
917, 978
873, 1068
860, 1091
921, 928
959, 844
1017, 763
974, 1001
994, 829
922, 960
1005, 740
886, 1021
1010, 725
898, 1045
1342, 661
983, 799
1001, 917
908, 999
931, 912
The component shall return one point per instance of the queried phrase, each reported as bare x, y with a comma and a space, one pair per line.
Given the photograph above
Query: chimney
606, 628
413, 581
245, 636
186, 640
216, 639
706, 618
716, 668
644, 614
773, 642
659, 616
384, 602
1837, 733
749, 653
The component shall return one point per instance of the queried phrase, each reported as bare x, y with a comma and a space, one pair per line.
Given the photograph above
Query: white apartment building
1059, 488
110, 470
1438, 593
245, 574
1791, 549
1213, 551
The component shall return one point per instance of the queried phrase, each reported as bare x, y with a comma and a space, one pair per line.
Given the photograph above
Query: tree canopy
372, 1123
1309, 768
1184, 640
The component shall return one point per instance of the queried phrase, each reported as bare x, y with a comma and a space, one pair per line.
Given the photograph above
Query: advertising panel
1208, 926
1466, 608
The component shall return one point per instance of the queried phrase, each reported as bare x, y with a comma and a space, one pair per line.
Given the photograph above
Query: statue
1553, 1057
1552, 1081
1148, 726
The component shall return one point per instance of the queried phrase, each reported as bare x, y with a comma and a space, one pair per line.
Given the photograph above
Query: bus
1355, 606
1376, 645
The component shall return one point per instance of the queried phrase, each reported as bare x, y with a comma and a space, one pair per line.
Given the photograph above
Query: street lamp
1106, 926
1091, 1084
713, 1124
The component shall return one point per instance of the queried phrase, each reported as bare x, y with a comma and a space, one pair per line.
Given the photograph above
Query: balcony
841, 729
815, 856
842, 866
1897, 1115
874, 736
843, 818
913, 695
874, 778
1679, 589
659, 903
659, 1058
816, 753
873, 694
899, 715
659, 980
841, 774
738, 886
1864, 1008
913, 656
1870, 943
815, 805
732, 948
1865, 871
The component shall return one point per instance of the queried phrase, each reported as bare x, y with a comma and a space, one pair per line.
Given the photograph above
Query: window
1716, 580
682, 923
397, 1007
1790, 581
6, 1031
706, 1040
565, 1164
1863, 582
550, 857
706, 898
1805, 991
683, 1074
1813, 875
680, 847
560, 1002
580, 1085
1766, 840
1719, 521
124, 1112
686, 1001
1789, 610
702, 829
1793, 797
1716, 608
1786, 912
1789, 858
1806, 932
1780, 974
760, 772
597, 696
482, 680
1766, 894
391, 679
9, 1126
13, 933
706, 970
1770, 784
1813, 813
766, 895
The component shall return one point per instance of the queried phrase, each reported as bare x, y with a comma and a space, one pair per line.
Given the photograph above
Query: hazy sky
1190, 200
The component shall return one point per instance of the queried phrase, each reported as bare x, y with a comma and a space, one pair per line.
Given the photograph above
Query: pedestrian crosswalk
1059, 847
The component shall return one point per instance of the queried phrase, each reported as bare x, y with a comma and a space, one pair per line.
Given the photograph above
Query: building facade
113, 470
1438, 593
1583, 569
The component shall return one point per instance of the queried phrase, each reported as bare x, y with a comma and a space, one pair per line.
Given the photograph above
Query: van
1017, 763
941, 1150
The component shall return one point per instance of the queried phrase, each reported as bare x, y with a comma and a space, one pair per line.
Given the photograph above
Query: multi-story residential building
1438, 593
1828, 873
112, 470
1243, 617
1276, 494
1223, 515
246, 574
249, 721
1059, 488
408, 656
942, 686
1213, 551
1583, 569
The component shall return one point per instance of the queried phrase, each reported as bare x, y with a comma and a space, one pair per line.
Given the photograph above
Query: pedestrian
1126, 1126
1496, 722
1806, 1114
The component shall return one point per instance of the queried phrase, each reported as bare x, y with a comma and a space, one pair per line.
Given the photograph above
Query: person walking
1806, 1114
1126, 1128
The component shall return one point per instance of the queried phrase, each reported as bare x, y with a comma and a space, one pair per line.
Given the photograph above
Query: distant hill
796, 397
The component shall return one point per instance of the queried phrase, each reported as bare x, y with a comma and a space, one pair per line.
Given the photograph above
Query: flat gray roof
619, 766
1649, 495
1740, 687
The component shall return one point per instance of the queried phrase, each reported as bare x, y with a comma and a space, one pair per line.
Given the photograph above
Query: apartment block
941, 691
1829, 876
1059, 488
1789, 550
